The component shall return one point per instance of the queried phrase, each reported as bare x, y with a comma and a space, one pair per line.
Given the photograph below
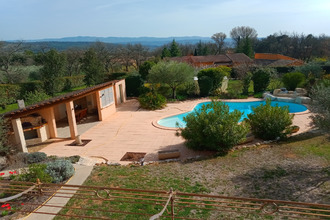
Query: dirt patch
133, 156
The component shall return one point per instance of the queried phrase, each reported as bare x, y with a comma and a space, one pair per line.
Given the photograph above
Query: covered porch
65, 116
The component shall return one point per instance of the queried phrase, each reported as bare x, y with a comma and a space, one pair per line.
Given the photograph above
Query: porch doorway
86, 115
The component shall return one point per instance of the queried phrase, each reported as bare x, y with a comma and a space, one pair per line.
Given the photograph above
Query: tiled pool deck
131, 129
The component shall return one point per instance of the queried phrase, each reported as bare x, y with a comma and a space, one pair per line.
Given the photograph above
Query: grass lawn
295, 170
9, 108
238, 85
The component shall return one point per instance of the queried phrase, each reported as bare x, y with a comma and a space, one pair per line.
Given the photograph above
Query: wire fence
22, 198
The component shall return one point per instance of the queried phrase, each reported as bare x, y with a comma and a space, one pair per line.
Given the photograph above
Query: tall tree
73, 56
106, 53
139, 54
125, 55
174, 49
219, 39
201, 49
165, 53
172, 74
244, 37
93, 68
247, 48
53, 67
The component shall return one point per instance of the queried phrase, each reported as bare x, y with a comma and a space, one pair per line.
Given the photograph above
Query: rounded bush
214, 128
60, 170
216, 74
35, 157
152, 101
293, 80
35, 171
270, 122
205, 84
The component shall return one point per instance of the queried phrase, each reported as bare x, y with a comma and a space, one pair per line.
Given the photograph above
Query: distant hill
86, 41
125, 40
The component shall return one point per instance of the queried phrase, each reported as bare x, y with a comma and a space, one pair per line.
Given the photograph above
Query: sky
39, 19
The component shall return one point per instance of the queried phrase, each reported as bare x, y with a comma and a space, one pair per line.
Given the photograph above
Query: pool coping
156, 125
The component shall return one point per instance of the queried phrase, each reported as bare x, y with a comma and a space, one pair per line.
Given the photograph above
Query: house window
106, 97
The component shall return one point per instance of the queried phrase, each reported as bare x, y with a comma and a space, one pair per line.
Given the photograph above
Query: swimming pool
244, 107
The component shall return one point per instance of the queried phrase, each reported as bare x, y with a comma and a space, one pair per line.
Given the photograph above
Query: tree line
103, 58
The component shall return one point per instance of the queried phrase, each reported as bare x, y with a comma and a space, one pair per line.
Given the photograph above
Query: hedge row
11, 92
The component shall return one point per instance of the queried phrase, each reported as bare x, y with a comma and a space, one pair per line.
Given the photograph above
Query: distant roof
58, 99
221, 59
273, 60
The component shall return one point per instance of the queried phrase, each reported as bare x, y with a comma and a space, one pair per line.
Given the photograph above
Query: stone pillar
224, 84
49, 115
99, 105
42, 133
19, 134
71, 119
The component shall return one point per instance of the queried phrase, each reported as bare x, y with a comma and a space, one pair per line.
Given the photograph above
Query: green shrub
232, 94
214, 128
326, 68
284, 69
133, 83
205, 84
36, 157
261, 79
60, 170
164, 90
216, 74
246, 83
293, 80
152, 101
30, 87
188, 89
67, 85
321, 105
34, 97
35, 171
73, 159
258, 95
311, 69
270, 122
181, 97
76, 81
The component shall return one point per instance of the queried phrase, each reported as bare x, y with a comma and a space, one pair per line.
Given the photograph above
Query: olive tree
321, 106
172, 74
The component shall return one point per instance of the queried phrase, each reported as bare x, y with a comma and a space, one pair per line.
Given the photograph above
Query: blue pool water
244, 107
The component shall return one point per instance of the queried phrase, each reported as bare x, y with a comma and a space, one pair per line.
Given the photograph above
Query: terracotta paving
131, 129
